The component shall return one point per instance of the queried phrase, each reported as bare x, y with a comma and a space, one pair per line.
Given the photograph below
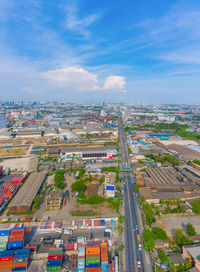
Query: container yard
7, 191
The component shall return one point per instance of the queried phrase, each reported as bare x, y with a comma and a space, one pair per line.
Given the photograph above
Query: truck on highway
139, 242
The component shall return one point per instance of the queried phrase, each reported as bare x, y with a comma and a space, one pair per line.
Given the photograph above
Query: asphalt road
134, 257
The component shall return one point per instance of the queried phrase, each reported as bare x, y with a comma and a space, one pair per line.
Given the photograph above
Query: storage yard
23, 248
24, 198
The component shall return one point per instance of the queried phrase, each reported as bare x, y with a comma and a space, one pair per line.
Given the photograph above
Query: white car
59, 230
68, 231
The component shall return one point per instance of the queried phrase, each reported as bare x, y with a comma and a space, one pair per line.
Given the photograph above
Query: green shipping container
56, 251
54, 268
92, 260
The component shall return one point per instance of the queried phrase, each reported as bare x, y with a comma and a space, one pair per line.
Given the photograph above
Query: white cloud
77, 25
115, 83
82, 80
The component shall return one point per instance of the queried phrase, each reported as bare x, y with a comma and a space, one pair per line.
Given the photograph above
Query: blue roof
160, 135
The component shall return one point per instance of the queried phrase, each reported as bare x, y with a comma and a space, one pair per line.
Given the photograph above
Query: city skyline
114, 51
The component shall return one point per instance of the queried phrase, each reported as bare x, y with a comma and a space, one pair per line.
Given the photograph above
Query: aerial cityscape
100, 136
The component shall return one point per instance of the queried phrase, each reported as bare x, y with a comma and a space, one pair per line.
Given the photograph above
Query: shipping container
92, 250
54, 263
15, 245
54, 268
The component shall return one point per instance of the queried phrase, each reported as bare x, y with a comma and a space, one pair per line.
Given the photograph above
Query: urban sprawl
99, 187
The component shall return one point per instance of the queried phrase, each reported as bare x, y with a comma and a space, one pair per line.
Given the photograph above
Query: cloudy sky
117, 51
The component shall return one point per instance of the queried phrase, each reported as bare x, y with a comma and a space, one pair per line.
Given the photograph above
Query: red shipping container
95, 269
6, 259
97, 223
88, 222
55, 257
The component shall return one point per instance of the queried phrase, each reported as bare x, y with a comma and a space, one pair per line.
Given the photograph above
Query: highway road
134, 254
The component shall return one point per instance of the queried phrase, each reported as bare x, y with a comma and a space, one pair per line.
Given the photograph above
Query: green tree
78, 186
190, 229
136, 188
159, 233
121, 219
149, 245
59, 179
180, 237
196, 206
149, 214
157, 210
162, 256
147, 234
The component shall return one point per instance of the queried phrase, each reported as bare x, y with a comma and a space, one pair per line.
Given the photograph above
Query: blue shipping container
24, 252
95, 265
4, 232
15, 245
22, 268
6, 253
21, 259
102, 222
110, 188
54, 263
19, 228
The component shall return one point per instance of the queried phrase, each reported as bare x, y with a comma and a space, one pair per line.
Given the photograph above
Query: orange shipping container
24, 264
92, 250
6, 266
16, 238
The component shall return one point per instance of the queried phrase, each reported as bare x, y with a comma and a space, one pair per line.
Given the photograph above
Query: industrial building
184, 152
192, 252
84, 152
23, 200
53, 200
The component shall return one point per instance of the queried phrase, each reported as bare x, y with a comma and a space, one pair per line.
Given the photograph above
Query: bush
92, 200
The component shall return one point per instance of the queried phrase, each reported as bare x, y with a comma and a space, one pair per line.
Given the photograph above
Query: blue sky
117, 51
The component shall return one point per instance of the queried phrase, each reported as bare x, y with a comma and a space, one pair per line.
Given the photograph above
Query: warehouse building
23, 200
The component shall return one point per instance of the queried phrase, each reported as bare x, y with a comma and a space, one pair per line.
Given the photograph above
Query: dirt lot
21, 164
5, 152
171, 222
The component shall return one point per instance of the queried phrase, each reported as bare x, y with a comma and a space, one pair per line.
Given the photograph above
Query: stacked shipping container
104, 257
4, 235
81, 258
55, 259
93, 258
21, 259
16, 239
7, 190
6, 260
